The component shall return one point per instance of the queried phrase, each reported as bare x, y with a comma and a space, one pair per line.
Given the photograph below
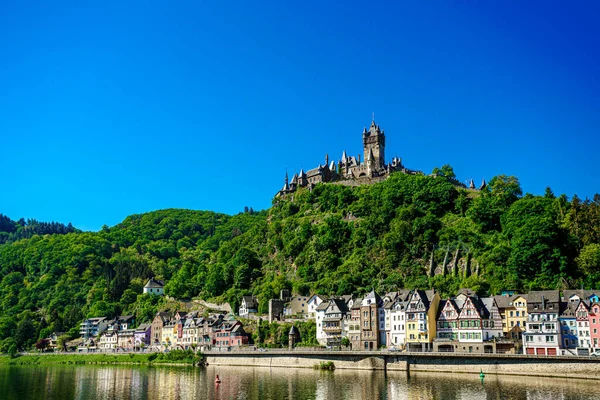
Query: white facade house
542, 335
248, 307
396, 336
331, 320
155, 287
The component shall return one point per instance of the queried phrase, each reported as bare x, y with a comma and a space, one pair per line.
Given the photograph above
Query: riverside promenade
501, 364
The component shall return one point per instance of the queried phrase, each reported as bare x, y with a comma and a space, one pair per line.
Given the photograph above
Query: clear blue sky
109, 109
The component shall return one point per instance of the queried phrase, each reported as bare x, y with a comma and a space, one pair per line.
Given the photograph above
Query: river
165, 383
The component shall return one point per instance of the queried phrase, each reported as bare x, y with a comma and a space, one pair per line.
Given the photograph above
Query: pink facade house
594, 318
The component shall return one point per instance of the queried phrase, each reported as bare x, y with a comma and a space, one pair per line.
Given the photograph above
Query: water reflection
175, 383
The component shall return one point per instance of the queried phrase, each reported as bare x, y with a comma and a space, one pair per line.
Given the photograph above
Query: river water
164, 383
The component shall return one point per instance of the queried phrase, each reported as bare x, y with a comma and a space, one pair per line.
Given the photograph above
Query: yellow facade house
421, 312
514, 315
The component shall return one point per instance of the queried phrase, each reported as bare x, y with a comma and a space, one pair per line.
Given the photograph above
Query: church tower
374, 143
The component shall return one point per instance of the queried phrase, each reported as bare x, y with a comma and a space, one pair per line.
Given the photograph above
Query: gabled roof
568, 309
373, 297
346, 298
426, 296
314, 297
488, 305
357, 304
154, 284
338, 304
250, 301
503, 301
164, 316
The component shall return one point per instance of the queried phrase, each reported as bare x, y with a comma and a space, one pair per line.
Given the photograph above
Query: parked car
595, 353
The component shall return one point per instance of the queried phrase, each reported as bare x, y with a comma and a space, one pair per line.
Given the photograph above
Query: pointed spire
344, 157
471, 184
483, 184
286, 185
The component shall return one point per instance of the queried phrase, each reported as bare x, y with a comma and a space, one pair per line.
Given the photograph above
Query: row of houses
540, 322
181, 330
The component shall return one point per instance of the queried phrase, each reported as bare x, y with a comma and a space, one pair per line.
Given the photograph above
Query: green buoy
481, 376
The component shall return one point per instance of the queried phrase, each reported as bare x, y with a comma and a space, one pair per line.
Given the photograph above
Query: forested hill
331, 240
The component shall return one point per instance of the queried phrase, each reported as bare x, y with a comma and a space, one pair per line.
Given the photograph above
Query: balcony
332, 329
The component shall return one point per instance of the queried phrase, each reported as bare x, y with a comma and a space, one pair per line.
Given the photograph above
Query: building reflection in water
179, 383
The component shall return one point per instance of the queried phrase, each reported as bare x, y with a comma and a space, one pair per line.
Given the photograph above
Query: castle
350, 168
372, 168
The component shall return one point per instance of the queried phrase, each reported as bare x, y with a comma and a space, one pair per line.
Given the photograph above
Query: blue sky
109, 109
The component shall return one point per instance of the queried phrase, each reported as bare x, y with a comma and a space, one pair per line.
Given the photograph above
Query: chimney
543, 303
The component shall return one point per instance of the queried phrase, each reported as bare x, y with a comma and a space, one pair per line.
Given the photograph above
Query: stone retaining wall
525, 366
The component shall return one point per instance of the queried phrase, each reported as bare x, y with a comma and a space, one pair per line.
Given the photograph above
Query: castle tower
374, 141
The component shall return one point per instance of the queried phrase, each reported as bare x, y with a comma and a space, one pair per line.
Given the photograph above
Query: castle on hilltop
372, 168
350, 167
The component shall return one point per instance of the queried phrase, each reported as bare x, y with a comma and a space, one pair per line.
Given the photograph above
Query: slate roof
583, 294
568, 309
251, 302
551, 296
503, 301
488, 305
143, 328
154, 284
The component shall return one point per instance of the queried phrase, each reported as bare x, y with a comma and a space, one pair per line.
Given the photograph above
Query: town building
314, 302
468, 323
372, 316
568, 326
159, 321
297, 305
142, 336
394, 306
542, 332
353, 329
330, 322
248, 307
583, 328
421, 313
92, 327
594, 318
230, 334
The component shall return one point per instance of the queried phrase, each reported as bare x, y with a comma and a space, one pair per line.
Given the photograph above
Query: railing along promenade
308, 351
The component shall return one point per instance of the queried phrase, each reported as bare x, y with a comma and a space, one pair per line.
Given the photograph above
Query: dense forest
410, 231
11, 231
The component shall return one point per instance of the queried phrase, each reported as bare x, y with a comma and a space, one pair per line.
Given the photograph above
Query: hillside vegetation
331, 240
